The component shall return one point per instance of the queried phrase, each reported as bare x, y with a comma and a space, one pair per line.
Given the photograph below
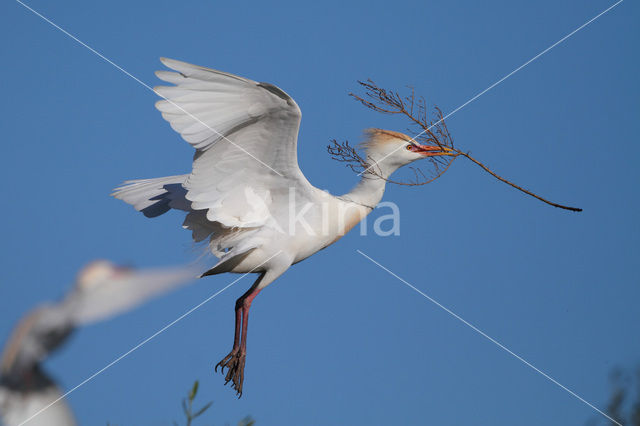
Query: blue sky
336, 340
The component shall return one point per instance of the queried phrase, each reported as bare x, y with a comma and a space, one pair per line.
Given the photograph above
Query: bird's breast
330, 223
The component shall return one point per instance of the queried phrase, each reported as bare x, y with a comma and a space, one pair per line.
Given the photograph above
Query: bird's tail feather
154, 197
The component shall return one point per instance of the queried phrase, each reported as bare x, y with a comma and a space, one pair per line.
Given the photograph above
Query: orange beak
433, 151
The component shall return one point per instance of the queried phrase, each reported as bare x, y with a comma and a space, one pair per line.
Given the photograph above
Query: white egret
102, 290
246, 194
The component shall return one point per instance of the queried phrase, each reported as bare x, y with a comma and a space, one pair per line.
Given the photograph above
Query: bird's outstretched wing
129, 289
41, 331
245, 135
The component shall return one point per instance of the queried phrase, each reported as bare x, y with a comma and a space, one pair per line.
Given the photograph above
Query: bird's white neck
370, 189
368, 192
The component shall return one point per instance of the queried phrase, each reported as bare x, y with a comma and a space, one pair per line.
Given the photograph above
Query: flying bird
102, 290
245, 197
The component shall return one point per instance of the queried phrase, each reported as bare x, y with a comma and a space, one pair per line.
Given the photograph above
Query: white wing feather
245, 135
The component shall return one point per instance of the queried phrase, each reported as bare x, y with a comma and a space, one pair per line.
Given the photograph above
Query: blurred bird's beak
120, 270
433, 151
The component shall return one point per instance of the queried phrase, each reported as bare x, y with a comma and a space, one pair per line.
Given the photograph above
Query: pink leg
245, 317
235, 360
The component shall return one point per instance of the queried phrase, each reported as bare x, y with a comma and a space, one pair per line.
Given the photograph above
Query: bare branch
500, 178
425, 131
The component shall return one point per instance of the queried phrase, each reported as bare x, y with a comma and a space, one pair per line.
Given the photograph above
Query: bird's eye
409, 147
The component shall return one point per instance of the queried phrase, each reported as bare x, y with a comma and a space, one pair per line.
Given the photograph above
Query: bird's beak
120, 270
433, 151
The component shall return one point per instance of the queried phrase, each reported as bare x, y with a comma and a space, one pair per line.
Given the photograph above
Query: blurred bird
102, 290
246, 195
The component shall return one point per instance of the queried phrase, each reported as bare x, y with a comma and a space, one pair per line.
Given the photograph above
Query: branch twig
433, 131
500, 178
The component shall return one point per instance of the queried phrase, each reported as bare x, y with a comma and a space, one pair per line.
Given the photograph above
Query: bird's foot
234, 362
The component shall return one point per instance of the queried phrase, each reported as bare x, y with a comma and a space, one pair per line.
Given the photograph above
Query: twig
500, 178
430, 131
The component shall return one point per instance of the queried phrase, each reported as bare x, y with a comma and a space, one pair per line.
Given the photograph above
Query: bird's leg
236, 337
235, 360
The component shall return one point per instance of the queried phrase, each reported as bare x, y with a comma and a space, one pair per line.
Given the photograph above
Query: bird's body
102, 290
327, 219
246, 194
22, 403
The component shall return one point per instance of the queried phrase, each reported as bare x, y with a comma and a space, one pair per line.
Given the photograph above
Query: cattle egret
102, 290
246, 195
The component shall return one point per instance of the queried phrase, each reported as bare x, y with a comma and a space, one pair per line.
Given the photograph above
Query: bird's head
392, 150
97, 272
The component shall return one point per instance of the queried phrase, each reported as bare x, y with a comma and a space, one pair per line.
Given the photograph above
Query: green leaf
247, 421
202, 410
194, 391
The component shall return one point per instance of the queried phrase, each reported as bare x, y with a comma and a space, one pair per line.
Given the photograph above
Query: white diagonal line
491, 339
145, 341
503, 78
143, 84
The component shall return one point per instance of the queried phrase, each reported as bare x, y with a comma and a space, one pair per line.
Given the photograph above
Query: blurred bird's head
392, 150
97, 272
